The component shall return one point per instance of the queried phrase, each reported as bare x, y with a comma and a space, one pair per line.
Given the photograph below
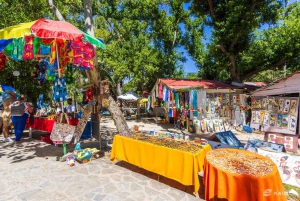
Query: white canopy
129, 96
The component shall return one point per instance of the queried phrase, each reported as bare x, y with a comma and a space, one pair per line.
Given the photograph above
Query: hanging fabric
59, 89
88, 55
88, 95
195, 103
17, 49
28, 48
42, 71
3, 60
53, 52
69, 74
177, 100
160, 91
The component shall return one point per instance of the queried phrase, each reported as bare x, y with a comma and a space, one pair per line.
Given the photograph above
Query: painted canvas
275, 104
216, 125
262, 116
222, 128
266, 118
203, 126
272, 138
257, 119
279, 121
288, 142
272, 119
210, 125
264, 103
285, 121
270, 104
293, 107
292, 123
281, 104
253, 116
287, 105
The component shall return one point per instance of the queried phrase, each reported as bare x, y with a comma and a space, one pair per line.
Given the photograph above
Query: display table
171, 163
43, 124
241, 175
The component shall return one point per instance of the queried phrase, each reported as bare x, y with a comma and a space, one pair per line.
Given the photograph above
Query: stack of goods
240, 163
166, 142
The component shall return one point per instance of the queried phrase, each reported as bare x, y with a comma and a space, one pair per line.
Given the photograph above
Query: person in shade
19, 122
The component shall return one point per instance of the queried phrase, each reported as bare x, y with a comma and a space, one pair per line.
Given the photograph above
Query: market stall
210, 105
168, 156
129, 103
58, 48
233, 174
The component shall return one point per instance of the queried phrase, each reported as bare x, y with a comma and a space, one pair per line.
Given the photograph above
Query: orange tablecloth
44, 124
242, 187
171, 163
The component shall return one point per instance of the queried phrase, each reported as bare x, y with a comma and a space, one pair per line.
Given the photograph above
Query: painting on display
293, 107
266, 118
285, 121
279, 121
234, 99
281, 104
203, 126
216, 125
253, 116
257, 119
226, 125
288, 142
269, 104
264, 103
210, 125
222, 128
275, 104
293, 121
262, 116
272, 119
271, 138
253, 102
286, 106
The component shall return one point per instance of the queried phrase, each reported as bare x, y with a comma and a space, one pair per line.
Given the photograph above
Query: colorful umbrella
44, 28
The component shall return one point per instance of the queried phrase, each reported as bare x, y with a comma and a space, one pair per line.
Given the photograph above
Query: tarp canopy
129, 96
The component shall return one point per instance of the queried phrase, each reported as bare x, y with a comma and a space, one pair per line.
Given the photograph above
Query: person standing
70, 108
19, 122
9, 97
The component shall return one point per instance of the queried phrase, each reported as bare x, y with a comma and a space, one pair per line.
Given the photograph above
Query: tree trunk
55, 11
233, 71
119, 89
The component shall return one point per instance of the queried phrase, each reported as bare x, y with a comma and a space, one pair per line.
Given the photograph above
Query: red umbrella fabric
44, 28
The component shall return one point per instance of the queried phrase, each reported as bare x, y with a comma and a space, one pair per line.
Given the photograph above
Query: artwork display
210, 125
285, 121
286, 106
279, 121
292, 125
281, 103
293, 107
266, 118
216, 125
272, 119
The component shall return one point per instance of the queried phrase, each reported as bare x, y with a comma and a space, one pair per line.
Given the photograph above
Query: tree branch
55, 11
211, 10
272, 65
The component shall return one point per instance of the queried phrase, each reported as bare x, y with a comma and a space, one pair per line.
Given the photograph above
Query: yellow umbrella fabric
143, 100
16, 31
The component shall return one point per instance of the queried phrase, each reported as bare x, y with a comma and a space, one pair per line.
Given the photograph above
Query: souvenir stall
58, 48
204, 105
275, 110
129, 103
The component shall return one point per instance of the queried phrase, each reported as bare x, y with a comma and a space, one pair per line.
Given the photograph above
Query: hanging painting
266, 118
221, 125
272, 119
279, 121
293, 107
253, 116
257, 119
292, 123
275, 104
285, 121
210, 125
287, 105
281, 103
216, 125
262, 116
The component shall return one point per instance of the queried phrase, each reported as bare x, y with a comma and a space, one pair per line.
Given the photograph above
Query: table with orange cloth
224, 183
171, 163
44, 124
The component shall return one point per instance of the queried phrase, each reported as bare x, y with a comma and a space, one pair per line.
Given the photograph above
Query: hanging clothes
191, 108
149, 104
3, 60
17, 49
53, 52
62, 52
167, 95
88, 95
164, 93
28, 48
201, 99
88, 56
195, 103
177, 100
160, 91
59, 89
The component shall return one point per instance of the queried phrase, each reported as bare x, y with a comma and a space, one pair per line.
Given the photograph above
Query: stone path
31, 172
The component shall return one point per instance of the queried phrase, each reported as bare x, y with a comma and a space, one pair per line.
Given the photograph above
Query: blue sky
189, 65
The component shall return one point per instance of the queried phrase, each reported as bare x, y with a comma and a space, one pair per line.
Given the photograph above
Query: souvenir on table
280, 105
253, 116
262, 116
272, 138
210, 125
216, 125
287, 106
293, 107
266, 118
279, 121
288, 142
292, 125
272, 119
221, 125
285, 121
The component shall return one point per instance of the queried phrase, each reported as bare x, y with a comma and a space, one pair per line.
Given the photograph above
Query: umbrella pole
59, 73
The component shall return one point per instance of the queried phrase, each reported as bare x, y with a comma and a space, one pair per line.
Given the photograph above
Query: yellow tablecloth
171, 163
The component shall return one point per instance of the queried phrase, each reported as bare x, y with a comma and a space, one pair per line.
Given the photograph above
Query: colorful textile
28, 48
77, 47
36, 45
53, 52
160, 91
161, 160
195, 103
3, 60
59, 90
4, 44
88, 95
88, 55
177, 101
17, 49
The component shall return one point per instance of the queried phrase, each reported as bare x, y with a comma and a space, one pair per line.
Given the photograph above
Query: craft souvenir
293, 107
210, 125
281, 104
216, 125
266, 118
287, 106
186, 138
262, 116
197, 140
272, 119
221, 125
279, 121
285, 120
253, 116
293, 121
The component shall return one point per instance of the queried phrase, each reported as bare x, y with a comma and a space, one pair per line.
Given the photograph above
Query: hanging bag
62, 132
